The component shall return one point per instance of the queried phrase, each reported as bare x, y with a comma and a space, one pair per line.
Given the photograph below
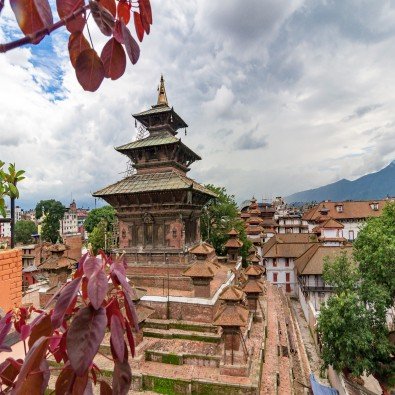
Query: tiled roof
162, 138
351, 210
286, 250
253, 270
200, 269
332, 223
232, 293
312, 261
201, 249
57, 262
233, 232
232, 315
254, 229
153, 182
255, 220
288, 238
253, 286
233, 243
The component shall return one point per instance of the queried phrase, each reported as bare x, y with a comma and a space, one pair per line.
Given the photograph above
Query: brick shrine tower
158, 208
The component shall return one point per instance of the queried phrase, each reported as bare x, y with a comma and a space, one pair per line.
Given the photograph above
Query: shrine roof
160, 109
253, 270
151, 182
200, 269
233, 243
253, 286
232, 315
232, 292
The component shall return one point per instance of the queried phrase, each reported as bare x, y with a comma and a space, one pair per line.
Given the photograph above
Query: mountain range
370, 186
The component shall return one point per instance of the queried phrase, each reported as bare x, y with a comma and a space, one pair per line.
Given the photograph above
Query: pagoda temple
158, 208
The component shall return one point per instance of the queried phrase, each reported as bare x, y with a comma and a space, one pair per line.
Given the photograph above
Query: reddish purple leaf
123, 10
66, 8
4, 329
32, 15
138, 25
54, 342
147, 10
25, 332
110, 6
130, 338
66, 298
46, 374
89, 70
65, 381
84, 336
131, 311
40, 328
114, 59
144, 17
105, 389
91, 265
80, 383
122, 376
32, 361
117, 33
132, 48
117, 340
77, 44
103, 18
97, 288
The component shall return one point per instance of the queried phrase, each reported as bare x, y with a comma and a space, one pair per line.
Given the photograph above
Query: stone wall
10, 279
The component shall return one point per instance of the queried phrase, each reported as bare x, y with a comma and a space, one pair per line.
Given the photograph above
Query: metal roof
160, 139
153, 182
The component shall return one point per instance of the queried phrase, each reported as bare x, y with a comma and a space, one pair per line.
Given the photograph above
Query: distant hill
371, 186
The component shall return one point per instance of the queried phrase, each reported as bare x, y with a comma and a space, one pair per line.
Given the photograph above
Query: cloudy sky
279, 95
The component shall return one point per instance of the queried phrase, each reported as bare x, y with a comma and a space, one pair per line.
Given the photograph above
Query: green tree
100, 237
218, 217
53, 211
24, 231
353, 324
96, 215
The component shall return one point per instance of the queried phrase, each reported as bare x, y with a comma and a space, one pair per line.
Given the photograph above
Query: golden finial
162, 98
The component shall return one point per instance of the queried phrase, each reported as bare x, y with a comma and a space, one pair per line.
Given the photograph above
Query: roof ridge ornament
162, 97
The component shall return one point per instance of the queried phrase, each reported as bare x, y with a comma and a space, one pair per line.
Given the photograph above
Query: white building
351, 214
279, 255
292, 223
69, 223
5, 228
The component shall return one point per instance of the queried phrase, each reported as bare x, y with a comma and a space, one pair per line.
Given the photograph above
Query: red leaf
89, 70
4, 329
138, 25
32, 361
144, 17
91, 265
66, 298
97, 286
46, 374
84, 337
131, 311
117, 340
80, 383
103, 18
67, 7
9, 369
147, 10
77, 44
65, 381
123, 10
132, 48
122, 376
110, 6
42, 328
32, 15
112, 308
114, 59
130, 338
105, 389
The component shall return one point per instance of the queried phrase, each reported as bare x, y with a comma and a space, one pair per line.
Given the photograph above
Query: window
287, 262
339, 208
288, 287
374, 206
287, 277
274, 262
275, 277
351, 235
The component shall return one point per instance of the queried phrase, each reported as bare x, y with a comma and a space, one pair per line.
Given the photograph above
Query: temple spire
162, 97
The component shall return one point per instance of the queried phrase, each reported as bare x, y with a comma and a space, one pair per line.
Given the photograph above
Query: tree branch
38, 35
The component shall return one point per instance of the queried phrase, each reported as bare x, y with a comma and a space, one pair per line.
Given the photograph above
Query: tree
96, 215
35, 20
218, 217
353, 324
8, 187
53, 212
24, 231
100, 237
70, 330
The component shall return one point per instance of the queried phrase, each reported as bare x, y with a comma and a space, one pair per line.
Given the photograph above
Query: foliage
219, 216
353, 323
53, 211
8, 182
100, 237
96, 215
24, 231
35, 20
71, 333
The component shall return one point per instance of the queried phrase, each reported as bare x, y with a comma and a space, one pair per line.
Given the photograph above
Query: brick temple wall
10, 279
74, 242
